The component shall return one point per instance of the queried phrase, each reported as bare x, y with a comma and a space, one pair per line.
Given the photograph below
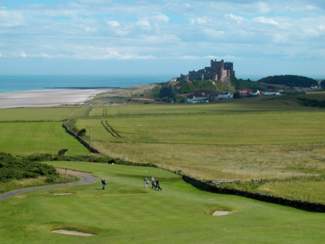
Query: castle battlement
217, 71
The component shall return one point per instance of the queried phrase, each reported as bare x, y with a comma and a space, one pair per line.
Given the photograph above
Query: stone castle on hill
217, 71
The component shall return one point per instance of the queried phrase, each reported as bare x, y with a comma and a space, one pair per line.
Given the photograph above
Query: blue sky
161, 37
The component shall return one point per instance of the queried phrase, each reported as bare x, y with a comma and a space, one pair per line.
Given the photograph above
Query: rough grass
37, 137
40, 114
256, 139
16, 184
127, 213
243, 105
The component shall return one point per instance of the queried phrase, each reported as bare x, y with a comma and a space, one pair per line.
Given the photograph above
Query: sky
161, 36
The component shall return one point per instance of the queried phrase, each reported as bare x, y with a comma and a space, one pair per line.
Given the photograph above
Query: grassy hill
289, 80
37, 130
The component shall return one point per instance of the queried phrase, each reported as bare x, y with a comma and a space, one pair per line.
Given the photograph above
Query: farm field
40, 114
275, 142
38, 130
37, 137
128, 213
244, 105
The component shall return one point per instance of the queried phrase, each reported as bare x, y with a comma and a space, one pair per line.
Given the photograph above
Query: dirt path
84, 179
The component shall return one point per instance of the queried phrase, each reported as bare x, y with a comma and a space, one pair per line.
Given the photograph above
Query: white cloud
236, 18
263, 7
117, 28
160, 39
203, 20
213, 33
10, 18
311, 7
113, 23
162, 18
152, 22
266, 21
321, 28
97, 53
23, 54
149, 29
143, 24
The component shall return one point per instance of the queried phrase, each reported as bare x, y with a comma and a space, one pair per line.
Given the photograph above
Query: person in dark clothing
153, 183
104, 183
158, 188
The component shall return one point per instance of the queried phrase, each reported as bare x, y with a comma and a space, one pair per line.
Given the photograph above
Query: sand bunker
219, 213
72, 233
62, 194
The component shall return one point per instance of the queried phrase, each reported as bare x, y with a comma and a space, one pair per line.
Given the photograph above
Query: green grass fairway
273, 139
37, 137
127, 213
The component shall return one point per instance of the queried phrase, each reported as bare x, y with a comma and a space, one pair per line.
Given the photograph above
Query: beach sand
47, 98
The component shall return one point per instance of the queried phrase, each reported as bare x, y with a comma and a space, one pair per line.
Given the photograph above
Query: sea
14, 83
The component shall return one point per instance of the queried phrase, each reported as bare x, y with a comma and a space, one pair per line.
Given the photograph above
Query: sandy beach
47, 98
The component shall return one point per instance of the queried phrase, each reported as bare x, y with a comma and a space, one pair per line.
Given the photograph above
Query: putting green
128, 213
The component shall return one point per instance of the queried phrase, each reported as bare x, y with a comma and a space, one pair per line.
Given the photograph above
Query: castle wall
218, 71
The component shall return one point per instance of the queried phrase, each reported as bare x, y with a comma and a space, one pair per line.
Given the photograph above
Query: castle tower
218, 71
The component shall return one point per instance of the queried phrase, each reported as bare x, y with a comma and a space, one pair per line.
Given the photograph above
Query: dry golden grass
249, 141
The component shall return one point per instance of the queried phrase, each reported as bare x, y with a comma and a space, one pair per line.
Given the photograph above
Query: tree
82, 132
290, 80
167, 93
62, 152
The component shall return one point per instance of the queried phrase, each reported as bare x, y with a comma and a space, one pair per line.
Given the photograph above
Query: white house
225, 96
197, 100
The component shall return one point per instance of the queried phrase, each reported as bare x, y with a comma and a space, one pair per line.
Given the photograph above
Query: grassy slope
126, 213
37, 130
37, 137
254, 139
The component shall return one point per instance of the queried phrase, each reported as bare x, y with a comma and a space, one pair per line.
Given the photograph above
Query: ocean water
11, 83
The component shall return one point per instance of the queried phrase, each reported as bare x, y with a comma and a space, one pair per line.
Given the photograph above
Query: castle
218, 71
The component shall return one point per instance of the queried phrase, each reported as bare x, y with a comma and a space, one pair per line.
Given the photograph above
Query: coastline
48, 97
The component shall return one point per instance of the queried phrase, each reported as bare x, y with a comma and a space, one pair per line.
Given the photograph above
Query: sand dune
47, 98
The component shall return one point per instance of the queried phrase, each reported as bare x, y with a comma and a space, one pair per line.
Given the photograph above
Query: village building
197, 100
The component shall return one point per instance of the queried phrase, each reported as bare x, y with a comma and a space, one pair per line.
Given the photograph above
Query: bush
62, 152
82, 132
17, 168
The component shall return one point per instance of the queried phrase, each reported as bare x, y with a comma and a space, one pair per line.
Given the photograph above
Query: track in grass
110, 129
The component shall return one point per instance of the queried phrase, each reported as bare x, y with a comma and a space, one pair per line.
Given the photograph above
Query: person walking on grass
158, 188
153, 183
104, 184
146, 182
